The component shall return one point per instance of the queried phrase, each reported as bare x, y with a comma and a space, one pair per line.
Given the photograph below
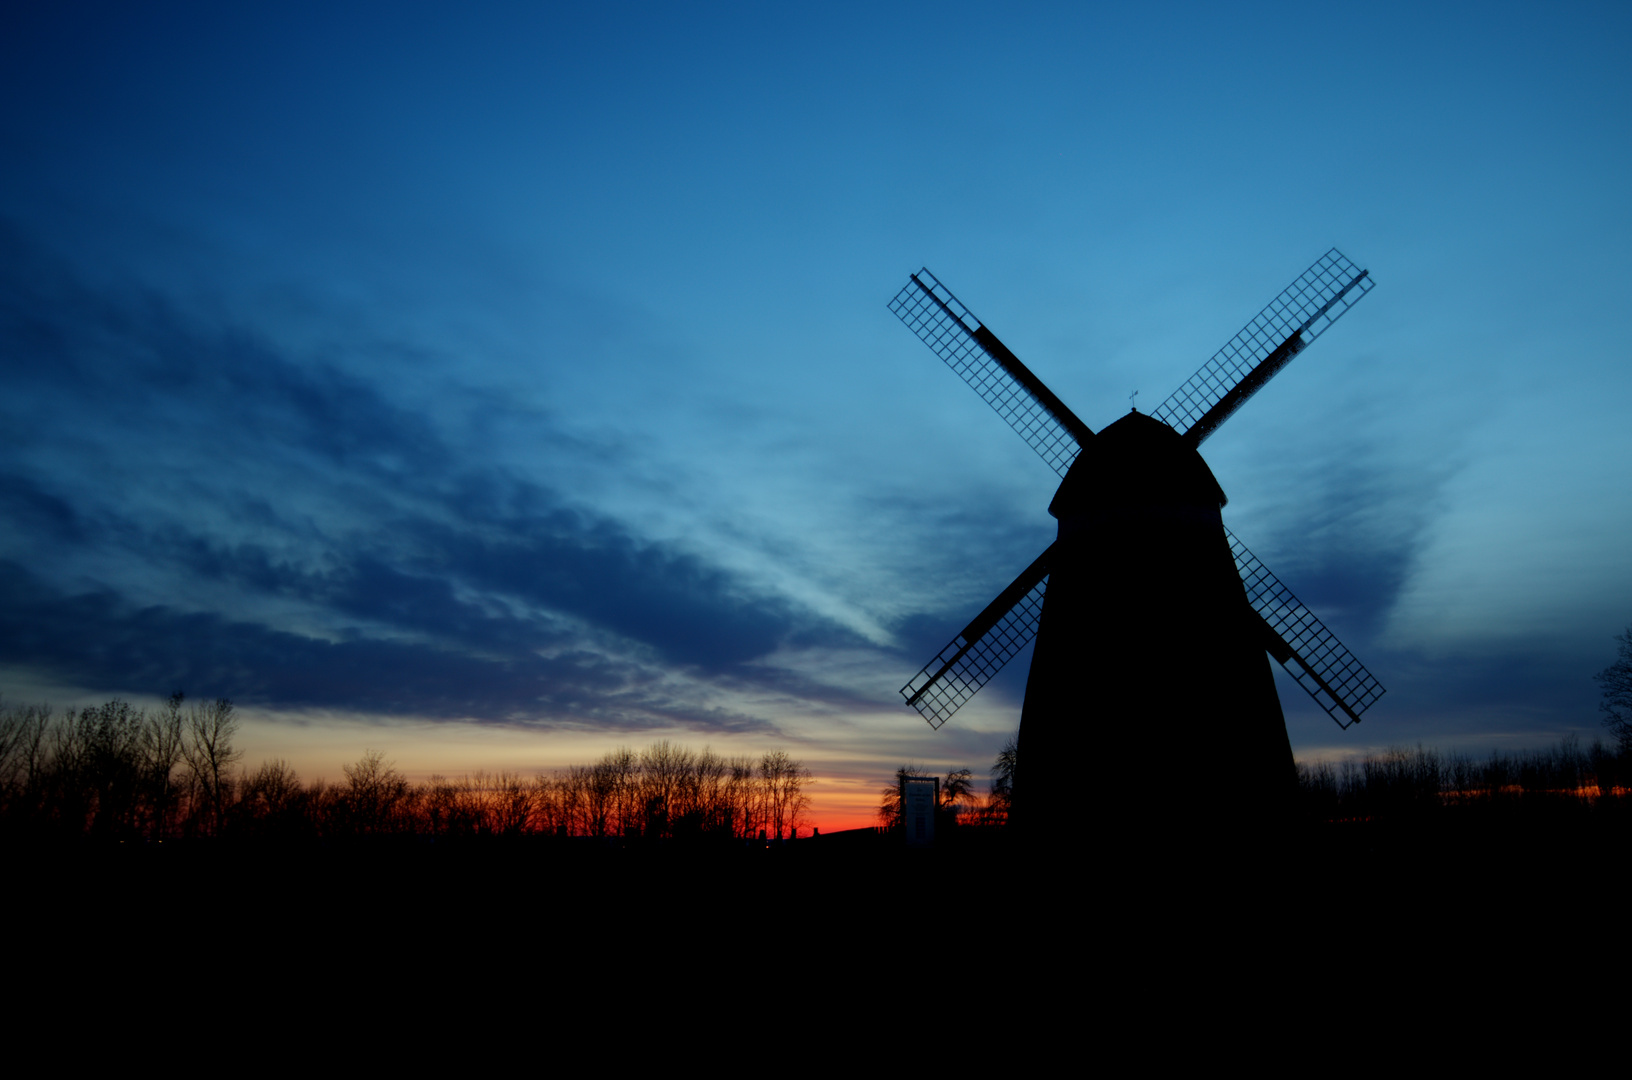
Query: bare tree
667, 786
109, 767
274, 787
1616, 680
550, 813
162, 745
607, 794
66, 802
271, 800
622, 767
209, 754
711, 807
958, 791
784, 780
1003, 767
24, 754
439, 805
374, 795
741, 797
578, 803
509, 802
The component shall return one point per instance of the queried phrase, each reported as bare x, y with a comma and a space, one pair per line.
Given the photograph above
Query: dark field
1461, 874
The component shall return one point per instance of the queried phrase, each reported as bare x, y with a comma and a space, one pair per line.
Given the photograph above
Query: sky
495, 386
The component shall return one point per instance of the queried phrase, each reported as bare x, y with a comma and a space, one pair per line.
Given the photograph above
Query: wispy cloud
198, 486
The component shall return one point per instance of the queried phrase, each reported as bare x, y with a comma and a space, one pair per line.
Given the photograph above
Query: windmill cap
1136, 462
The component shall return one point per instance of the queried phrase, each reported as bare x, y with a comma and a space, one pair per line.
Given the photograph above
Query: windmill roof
1136, 462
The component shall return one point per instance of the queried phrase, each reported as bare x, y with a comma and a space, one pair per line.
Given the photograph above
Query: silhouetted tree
1003, 767
741, 797
958, 791
507, 803
550, 814
24, 754
374, 794
112, 771
784, 781
1616, 680
600, 795
104, 765
574, 793
666, 786
209, 754
272, 802
439, 807
162, 746
620, 774
711, 810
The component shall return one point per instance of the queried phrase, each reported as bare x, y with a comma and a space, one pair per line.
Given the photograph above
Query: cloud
1344, 526
28, 510
96, 640
201, 466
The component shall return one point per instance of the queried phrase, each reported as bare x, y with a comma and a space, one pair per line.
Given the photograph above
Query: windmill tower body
1149, 693
1149, 696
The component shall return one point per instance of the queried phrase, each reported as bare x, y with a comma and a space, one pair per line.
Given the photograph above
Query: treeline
1397, 784
1404, 784
116, 772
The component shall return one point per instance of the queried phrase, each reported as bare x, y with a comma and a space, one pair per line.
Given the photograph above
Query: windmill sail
1290, 632
1311, 654
1285, 328
981, 650
950, 329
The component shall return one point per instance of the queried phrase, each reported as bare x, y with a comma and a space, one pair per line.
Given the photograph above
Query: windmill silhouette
1148, 696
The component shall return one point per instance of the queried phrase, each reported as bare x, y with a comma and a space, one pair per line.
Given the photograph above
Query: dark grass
977, 937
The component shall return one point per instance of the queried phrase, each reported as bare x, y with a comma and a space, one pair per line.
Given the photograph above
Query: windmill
1148, 695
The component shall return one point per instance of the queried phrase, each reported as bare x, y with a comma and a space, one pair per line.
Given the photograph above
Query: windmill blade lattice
953, 332
1294, 319
989, 642
1311, 654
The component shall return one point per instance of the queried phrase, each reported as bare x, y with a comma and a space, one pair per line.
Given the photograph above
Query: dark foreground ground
1184, 946
1349, 880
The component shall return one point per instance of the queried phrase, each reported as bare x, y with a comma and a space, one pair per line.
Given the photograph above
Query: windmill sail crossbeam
983, 648
1311, 654
955, 335
1288, 325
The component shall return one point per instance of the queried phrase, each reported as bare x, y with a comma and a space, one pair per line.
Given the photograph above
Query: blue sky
437, 377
